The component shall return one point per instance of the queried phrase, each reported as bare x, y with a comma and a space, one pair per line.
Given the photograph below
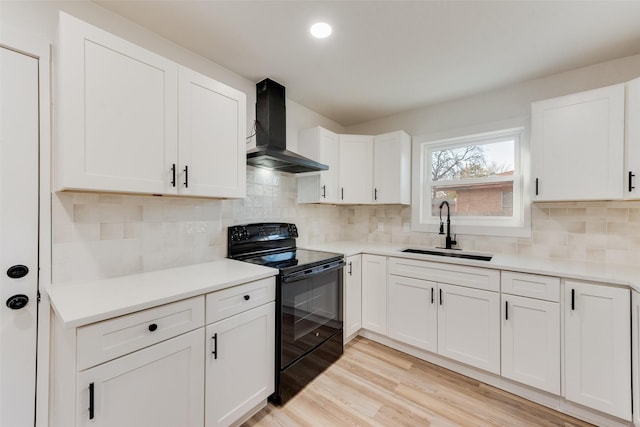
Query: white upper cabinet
356, 163
392, 168
211, 149
632, 155
119, 112
578, 145
363, 169
321, 145
118, 105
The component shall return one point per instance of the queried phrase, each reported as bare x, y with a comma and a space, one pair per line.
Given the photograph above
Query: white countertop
605, 273
83, 303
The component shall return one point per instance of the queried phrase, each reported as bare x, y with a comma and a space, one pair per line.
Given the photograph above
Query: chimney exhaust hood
271, 132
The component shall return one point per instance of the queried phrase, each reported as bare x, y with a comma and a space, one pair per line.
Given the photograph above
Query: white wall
509, 102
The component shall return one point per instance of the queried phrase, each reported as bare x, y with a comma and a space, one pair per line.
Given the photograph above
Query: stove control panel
239, 234
261, 232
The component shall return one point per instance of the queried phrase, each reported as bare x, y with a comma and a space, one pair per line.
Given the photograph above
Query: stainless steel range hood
271, 133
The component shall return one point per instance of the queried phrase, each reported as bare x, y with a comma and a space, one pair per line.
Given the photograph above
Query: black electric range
308, 301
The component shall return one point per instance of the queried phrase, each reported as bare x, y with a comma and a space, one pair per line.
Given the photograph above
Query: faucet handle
454, 241
441, 228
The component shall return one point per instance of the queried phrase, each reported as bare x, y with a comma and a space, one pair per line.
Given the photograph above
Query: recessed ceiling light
320, 30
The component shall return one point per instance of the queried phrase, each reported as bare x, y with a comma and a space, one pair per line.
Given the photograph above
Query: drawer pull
440, 296
431, 295
215, 345
153, 327
91, 399
246, 297
506, 310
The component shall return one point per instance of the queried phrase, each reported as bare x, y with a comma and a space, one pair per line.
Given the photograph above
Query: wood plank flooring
374, 385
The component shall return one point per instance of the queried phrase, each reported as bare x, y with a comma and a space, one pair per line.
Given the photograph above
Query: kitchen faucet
448, 242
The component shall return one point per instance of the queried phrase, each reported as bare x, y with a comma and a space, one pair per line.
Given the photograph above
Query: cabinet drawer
103, 341
237, 299
531, 285
473, 277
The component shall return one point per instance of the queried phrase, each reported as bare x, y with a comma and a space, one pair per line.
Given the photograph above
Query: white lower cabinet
412, 312
374, 293
531, 342
161, 385
531, 330
240, 364
597, 367
162, 367
352, 296
469, 326
635, 354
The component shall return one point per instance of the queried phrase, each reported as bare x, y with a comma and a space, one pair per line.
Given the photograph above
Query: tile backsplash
97, 236
106, 235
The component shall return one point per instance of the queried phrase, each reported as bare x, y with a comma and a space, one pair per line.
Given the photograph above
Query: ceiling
386, 57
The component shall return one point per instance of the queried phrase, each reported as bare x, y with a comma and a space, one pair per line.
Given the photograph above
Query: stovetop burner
290, 261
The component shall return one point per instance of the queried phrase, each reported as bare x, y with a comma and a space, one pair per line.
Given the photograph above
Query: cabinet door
597, 347
353, 295
412, 312
117, 116
469, 326
531, 342
240, 364
374, 293
321, 145
632, 155
212, 151
578, 144
356, 164
392, 168
635, 354
161, 385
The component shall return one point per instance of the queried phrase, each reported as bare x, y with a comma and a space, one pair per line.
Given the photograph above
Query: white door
356, 169
469, 326
161, 385
374, 293
19, 236
632, 154
117, 113
578, 145
392, 168
531, 342
240, 364
412, 312
635, 354
212, 128
353, 296
598, 347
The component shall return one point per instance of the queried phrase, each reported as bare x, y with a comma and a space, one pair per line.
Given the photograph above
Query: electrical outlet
381, 227
406, 227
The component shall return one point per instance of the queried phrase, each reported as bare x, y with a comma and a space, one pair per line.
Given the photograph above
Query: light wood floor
374, 385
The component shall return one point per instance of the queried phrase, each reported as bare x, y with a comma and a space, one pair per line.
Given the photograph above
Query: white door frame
40, 49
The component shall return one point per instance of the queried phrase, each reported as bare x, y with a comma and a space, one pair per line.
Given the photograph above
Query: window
480, 176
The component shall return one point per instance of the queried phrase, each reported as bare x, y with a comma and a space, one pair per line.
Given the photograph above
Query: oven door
311, 311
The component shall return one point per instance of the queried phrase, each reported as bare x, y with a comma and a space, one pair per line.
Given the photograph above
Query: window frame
517, 225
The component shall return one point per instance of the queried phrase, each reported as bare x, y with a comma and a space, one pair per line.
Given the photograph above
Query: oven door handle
314, 271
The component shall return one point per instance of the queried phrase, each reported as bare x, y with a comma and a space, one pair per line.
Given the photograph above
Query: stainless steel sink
450, 253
